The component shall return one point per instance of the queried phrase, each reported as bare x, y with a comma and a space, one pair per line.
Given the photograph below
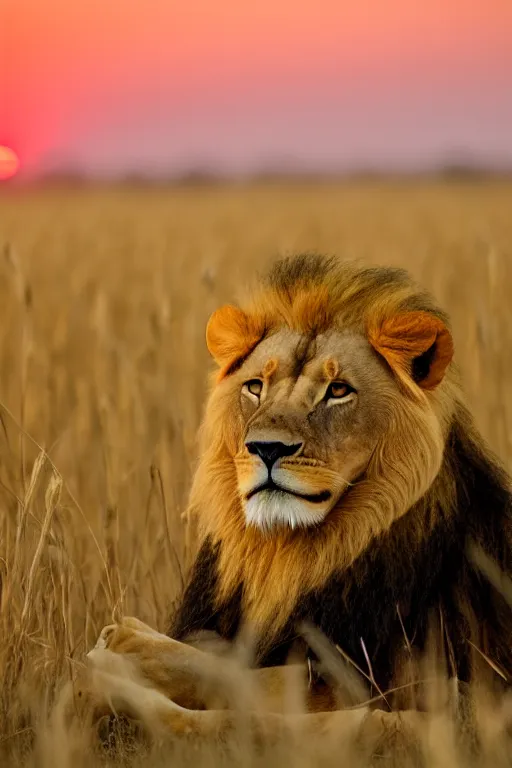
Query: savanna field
104, 297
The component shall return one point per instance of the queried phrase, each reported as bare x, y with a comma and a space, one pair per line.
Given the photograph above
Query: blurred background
161, 88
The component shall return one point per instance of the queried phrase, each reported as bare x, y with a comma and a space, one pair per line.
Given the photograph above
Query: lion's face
311, 406
312, 411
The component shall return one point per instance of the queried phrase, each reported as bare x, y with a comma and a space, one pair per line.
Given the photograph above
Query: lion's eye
254, 387
338, 390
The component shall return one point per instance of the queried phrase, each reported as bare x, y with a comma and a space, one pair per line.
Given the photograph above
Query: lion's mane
374, 582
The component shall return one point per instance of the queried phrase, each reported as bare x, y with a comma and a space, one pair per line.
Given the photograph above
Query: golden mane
312, 294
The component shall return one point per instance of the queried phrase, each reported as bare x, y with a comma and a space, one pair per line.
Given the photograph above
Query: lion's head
327, 418
318, 375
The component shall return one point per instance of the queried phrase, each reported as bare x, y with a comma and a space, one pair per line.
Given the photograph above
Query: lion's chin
271, 509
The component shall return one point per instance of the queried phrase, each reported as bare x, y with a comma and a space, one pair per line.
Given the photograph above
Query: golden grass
104, 297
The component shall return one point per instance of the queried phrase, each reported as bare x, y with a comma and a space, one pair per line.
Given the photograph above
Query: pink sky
166, 85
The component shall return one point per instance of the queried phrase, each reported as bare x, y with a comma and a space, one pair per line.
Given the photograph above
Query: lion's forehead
289, 352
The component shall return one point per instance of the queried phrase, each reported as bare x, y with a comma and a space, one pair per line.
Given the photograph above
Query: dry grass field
104, 296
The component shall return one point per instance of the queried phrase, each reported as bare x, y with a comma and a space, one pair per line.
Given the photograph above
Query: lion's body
342, 485
403, 581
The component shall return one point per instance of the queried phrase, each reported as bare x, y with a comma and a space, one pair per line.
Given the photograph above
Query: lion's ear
231, 335
417, 344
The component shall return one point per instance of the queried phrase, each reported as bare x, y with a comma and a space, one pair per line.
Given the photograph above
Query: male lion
341, 484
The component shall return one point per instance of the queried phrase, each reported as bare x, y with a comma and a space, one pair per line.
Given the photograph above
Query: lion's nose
270, 452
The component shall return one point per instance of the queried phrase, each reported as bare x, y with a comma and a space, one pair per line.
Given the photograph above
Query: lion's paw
127, 636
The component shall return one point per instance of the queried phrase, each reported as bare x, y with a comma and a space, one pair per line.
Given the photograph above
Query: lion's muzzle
288, 490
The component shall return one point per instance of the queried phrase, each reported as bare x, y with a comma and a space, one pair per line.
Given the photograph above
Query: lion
342, 485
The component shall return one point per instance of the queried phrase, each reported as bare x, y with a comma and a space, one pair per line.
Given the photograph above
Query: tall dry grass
104, 297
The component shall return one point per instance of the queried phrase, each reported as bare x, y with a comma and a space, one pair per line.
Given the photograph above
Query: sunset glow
9, 163
166, 85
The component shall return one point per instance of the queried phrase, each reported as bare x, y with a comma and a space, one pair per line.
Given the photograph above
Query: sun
9, 163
